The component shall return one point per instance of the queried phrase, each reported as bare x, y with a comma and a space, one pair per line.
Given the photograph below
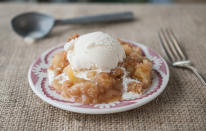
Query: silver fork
174, 53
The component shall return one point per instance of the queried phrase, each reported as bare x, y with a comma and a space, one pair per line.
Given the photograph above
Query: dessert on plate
96, 68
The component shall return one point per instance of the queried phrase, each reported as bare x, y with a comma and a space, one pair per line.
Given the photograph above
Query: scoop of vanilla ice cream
94, 51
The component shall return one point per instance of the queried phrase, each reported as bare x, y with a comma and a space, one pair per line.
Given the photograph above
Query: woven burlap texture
182, 106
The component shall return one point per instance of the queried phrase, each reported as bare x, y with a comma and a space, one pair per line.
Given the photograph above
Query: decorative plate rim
79, 109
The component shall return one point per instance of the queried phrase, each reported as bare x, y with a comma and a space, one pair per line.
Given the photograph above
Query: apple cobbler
133, 74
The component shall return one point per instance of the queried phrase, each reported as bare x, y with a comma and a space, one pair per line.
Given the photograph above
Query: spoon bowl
33, 25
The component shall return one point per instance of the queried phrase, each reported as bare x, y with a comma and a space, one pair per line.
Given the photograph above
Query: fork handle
196, 72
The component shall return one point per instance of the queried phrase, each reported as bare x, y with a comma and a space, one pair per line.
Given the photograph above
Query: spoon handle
102, 18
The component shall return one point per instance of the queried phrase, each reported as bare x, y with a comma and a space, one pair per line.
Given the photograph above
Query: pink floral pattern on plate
39, 83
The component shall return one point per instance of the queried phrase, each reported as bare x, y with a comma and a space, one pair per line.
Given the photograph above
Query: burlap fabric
182, 106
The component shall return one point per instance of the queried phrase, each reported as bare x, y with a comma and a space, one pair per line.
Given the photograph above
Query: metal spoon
37, 25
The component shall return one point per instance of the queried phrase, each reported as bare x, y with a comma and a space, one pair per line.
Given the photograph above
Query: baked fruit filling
133, 74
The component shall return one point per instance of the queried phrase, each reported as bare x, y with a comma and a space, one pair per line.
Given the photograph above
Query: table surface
182, 106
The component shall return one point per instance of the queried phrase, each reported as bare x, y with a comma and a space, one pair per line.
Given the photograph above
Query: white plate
38, 81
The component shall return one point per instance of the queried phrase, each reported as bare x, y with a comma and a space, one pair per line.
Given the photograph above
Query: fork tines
171, 46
